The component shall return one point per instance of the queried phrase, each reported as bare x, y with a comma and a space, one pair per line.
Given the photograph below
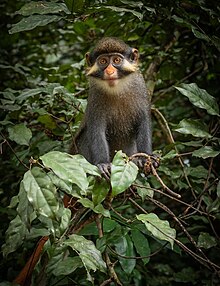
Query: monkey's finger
105, 169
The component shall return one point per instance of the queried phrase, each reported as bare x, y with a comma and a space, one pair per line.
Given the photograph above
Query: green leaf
196, 172
41, 192
48, 121
15, 235
42, 7
86, 203
32, 22
145, 190
206, 241
122, 10
24, 208
75, 6
99, 209
88, 253
218, 189
20, 133
124, 246
141, 244
87, 167
199, 97
193, 127
67, 266
159, 228
65, 218
205, 152
56, 253
100, 191
200, 35
123, 173
68, 168
27, 93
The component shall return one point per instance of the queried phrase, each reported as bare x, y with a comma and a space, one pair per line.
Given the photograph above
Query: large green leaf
193, 127
141, 244
159, 228
67, 266
124, 246
41, 192
123, 173
199, 97
42, 7
125, 10
88, 253
24, 208
15, 235
100, 191
32, 22
205, 152
69, 168
20, 133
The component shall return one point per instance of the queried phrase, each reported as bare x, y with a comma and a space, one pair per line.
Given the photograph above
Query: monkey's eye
117, 60
102, 61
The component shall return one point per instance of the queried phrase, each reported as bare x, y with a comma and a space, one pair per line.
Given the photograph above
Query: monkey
118, 112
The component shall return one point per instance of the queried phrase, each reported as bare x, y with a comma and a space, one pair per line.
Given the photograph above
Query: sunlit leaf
68, 168
33, 21
158, 228
24, 208
120, 10
193, 127
123, 173
205, 152
99, 209
20, 133
88, 253
87, 167
41, 192
42, 7
199, 97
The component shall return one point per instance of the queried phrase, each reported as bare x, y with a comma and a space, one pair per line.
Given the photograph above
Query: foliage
130, 229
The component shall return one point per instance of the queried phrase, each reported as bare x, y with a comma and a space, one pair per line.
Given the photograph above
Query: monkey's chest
121, 124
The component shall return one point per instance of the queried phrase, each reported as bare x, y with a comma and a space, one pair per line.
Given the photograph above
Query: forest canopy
162, 229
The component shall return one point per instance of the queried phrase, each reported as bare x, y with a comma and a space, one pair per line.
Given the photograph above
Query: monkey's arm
144, 135
99, 148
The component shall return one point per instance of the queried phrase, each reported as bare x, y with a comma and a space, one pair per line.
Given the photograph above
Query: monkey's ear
88, 59
134, 55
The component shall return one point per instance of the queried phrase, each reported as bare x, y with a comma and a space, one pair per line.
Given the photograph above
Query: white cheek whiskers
118, 86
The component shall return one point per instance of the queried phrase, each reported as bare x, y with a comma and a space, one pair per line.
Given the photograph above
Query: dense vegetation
139, 235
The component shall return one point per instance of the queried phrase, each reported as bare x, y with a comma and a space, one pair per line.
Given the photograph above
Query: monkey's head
110, 61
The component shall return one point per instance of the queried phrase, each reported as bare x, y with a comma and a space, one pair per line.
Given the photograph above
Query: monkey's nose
110, 69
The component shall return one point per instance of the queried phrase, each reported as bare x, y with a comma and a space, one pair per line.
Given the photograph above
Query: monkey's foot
145, 161
105, 169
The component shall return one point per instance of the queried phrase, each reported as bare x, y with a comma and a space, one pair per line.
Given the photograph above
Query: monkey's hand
145, 161
105, 169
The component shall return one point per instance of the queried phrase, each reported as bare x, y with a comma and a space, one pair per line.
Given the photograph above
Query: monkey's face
112, 68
